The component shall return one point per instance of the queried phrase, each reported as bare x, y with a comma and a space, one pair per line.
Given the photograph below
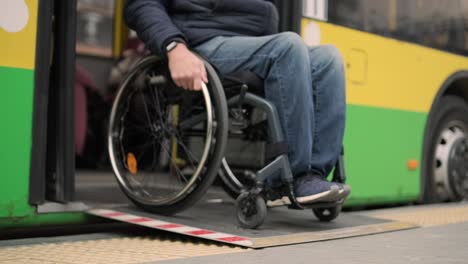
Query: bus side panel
385, 72
379, 143
15, 140
17, 59
391, 86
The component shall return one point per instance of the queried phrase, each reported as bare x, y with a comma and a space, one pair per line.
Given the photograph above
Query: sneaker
344, 191
309, 189
312, 188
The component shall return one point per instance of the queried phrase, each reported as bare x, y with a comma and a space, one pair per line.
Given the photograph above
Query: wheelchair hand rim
207, 145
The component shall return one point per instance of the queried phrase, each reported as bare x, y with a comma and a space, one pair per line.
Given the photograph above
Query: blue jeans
306, 84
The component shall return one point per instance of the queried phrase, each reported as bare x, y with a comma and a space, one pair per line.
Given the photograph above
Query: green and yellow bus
407, 88
407, 91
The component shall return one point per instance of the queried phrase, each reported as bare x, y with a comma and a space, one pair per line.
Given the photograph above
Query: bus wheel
446, 156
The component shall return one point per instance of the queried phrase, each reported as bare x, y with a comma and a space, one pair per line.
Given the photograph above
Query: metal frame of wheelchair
251, 209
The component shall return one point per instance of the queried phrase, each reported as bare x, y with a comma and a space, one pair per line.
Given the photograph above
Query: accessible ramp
216, 220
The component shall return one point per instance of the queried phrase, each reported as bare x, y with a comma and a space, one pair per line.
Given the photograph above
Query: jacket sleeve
151, 21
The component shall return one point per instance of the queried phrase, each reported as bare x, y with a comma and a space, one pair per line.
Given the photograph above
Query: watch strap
172, 45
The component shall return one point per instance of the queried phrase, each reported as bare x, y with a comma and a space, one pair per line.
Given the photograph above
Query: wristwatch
171, 46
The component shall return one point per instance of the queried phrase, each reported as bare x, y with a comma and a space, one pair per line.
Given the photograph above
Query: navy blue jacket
158, 22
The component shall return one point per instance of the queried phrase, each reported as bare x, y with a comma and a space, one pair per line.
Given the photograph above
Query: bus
407, 94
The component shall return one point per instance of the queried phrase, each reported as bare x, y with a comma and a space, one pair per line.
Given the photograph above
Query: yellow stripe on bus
18, 34
387, 73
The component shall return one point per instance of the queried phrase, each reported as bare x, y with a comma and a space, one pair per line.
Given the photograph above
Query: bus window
433, 23
95, 27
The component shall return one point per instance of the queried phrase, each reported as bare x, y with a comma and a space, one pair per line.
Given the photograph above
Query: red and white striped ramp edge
172, 227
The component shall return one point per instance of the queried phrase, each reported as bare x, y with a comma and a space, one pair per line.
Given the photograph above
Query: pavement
439, 244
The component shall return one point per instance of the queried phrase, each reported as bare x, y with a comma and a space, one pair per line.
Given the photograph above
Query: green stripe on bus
378, 144
15, 140
49, 219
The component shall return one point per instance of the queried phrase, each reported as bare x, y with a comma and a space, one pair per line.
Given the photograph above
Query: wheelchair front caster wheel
251, 210
327, 214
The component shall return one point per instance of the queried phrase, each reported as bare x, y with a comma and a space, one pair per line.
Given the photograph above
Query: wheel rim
165, 130
251, 210
458, 168
229, 178
450, 162
248, 207
326, 212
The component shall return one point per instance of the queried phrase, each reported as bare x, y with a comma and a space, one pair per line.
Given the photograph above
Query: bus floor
100, 189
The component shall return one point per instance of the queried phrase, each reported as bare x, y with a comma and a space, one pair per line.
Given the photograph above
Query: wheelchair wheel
327, 214
166, 143
251, 210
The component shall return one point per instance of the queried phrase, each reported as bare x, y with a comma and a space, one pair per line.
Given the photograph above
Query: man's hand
187, 70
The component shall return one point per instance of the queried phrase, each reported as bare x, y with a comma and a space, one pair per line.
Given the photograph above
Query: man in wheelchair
305, 84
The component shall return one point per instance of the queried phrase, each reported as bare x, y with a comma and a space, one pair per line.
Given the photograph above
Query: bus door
52, 159
61, 154
89, 33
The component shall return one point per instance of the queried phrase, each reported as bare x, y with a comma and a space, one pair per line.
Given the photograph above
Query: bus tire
445, 158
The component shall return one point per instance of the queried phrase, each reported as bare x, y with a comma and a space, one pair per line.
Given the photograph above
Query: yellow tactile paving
116, 251
26, 261
428, 216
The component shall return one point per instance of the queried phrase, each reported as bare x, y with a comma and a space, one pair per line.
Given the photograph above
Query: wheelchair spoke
176, 166
180, 142
148, 117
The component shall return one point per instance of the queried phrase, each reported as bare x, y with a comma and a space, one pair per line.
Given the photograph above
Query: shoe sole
328, 196
343, 193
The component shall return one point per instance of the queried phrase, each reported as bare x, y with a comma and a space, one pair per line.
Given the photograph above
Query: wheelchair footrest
285, 201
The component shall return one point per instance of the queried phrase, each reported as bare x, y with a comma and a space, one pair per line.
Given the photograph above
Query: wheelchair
167, 145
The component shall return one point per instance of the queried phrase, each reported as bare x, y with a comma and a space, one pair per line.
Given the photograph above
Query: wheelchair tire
251, 210
203, 169
327, 214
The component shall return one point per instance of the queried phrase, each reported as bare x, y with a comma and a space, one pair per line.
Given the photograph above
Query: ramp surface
216, 220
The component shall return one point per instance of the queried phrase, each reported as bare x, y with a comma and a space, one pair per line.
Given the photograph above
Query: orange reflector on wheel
132, 163
412, 164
